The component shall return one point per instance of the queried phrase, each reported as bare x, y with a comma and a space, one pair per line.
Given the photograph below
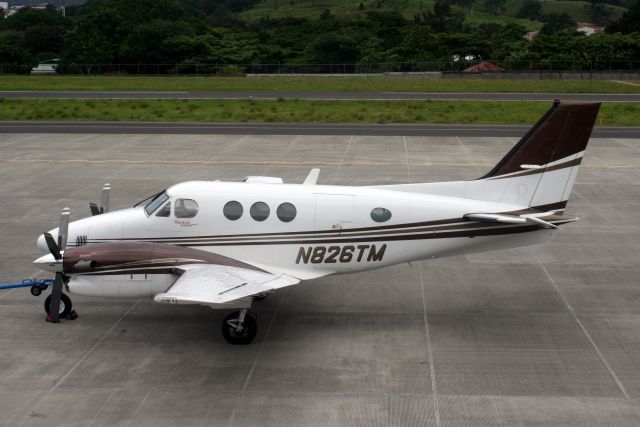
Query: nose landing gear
65, 309
240, 327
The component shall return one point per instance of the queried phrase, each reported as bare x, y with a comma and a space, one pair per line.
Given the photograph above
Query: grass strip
308, 84
300, 111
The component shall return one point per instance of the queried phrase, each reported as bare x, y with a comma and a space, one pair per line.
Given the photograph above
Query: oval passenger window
232, 210
259, 211
380, 214
286, 212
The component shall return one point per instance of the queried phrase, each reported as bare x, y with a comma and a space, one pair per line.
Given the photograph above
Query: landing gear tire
239, 327
65, 305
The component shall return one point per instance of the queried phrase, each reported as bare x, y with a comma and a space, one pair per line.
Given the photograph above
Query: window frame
160, 196
254, 205
175, 209
225, 213
295, 212
385, 212
157, 213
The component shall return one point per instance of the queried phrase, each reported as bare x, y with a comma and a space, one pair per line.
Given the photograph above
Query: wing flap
218, 284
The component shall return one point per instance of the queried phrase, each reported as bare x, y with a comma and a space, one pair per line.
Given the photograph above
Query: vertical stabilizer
539, 171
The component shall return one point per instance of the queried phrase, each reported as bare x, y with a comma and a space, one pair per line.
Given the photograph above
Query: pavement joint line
247, 380
432, 371
104, 404
469, 156
84, 357
137, 411
267, 162
406, 159
342, 160
283, 153
613, 375
234, 144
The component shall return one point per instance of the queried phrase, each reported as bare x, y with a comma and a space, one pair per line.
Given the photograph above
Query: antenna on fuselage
312, 178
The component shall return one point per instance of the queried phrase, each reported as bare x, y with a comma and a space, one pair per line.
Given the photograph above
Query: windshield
156, 202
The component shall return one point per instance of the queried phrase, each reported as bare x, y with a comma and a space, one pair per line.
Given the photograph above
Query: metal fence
372, 68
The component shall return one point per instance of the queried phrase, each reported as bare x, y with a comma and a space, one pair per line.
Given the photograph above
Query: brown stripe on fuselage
107, 255
567, 164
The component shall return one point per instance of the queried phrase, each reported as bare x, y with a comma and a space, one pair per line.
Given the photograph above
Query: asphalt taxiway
326, 96
547, 335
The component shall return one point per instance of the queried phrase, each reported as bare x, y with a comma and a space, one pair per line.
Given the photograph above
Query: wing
220, 284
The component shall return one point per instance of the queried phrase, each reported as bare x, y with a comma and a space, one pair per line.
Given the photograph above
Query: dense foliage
203, 31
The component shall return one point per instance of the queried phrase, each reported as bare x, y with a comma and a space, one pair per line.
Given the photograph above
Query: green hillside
476, 14
579, 9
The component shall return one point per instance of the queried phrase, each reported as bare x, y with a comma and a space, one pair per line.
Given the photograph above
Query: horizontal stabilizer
491, 217
519, 219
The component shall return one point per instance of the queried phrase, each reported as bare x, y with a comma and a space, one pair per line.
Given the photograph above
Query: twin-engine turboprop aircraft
223, 244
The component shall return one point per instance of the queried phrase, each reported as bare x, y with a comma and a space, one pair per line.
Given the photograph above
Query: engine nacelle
120, 285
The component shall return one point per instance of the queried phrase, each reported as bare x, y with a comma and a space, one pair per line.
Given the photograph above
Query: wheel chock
50, 320
73, 315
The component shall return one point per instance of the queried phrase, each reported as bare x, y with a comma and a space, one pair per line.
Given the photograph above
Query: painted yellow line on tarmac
267, 162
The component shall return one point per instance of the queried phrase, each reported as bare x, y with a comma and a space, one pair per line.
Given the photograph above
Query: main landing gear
240, 327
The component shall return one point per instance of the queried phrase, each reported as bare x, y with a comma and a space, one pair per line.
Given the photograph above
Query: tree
463, 3
530, 9
95, 38
629, 22
494, 6
554, 22
326, 15
597, 11
443, 19
335, 49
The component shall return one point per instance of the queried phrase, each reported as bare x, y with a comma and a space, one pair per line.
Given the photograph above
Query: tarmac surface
546, 335
325, 129
325, 96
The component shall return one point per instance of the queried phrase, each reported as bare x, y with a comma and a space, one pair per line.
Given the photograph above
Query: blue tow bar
36, 285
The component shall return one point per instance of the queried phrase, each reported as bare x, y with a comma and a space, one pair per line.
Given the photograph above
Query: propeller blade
105, 198
63, 230
56, 294
95, 210
53, 246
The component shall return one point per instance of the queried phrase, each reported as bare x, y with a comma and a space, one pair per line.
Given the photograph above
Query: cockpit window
185, 208
156, 202
164, 211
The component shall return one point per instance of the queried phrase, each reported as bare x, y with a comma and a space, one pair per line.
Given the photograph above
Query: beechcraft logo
335, 254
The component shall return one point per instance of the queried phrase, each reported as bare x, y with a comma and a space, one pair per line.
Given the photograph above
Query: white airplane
224, 244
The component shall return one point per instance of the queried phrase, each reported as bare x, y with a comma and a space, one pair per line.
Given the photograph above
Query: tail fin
539, 171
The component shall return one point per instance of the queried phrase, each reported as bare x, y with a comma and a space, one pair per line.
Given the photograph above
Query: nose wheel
64, 310
240, 327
